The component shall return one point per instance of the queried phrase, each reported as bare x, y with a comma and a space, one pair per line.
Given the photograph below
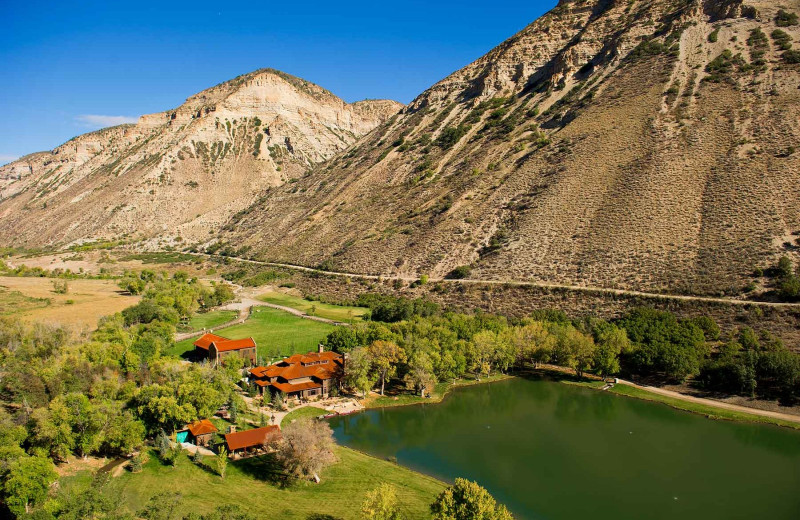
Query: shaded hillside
184, 172
645, 145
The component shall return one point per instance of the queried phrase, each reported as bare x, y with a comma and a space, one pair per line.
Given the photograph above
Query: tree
221, 461
162, 506
466, 500
484, 345
357, 371
27, 483
342, 340
384, 356
305, 448
381, 504
420, 373
610, 344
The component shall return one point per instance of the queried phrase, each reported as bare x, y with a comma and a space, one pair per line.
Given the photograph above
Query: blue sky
71, 67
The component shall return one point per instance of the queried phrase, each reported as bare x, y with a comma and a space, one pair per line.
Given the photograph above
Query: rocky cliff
181, 174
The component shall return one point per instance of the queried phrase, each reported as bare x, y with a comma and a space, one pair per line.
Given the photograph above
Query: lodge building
301, 375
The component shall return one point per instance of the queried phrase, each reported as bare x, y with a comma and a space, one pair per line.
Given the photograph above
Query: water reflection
555, 451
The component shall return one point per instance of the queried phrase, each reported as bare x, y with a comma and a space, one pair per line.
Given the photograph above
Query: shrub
714, 36
785, 19
451, 135
460, 272
782, 39
791, 57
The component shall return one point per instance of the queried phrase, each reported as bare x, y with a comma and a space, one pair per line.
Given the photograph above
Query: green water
554, 451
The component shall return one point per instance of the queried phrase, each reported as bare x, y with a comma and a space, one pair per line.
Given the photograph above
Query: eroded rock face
609, 143
183, 172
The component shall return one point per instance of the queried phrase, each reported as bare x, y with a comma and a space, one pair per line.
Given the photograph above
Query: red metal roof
251, 438
207, 339
289, 387
234, 344
201, 427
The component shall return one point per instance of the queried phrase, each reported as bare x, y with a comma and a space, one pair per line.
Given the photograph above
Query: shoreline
709, 408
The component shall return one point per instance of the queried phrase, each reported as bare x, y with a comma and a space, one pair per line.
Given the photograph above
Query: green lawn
277, 333
210, 320
323, 310
404, 397
248, 483
300, 413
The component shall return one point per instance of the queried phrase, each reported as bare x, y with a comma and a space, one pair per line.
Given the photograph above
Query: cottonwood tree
27, 483
358, 371
384, 356
305, 448
381, 504
420, 373
466, 500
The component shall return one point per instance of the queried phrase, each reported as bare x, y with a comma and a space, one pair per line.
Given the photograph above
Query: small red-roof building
198, 433
301, 375
216, 348
249, 441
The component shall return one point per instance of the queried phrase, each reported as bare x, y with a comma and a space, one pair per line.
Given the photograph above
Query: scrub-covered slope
634, 144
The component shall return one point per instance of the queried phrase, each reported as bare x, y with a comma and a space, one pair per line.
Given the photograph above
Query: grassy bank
439, 393
277, 333
304, 412
249, 483
712, 412
323, 310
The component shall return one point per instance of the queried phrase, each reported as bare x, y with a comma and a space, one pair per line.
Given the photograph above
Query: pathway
715, 403
544, 285
245, 306
342, 405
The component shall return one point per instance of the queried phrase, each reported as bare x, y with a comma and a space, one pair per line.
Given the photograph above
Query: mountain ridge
223, 145
597, 146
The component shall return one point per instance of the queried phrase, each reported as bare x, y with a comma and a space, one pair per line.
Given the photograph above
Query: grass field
323, 310
300, 413
277, 333
209, 320
85, 302
248, 483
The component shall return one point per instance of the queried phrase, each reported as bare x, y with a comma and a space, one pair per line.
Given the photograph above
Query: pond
554, 451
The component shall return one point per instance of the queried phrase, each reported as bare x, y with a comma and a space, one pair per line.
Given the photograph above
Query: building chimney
232, 428
321, 348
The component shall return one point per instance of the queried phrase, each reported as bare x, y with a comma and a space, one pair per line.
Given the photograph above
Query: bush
791, 57
785, 19
451, 135
459, 273
782, 39
714, 36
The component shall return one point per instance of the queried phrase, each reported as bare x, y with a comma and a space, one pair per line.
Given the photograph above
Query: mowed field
33, 299
323, 310
277, 333
248, 483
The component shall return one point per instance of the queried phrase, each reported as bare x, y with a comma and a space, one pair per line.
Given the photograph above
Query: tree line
432, 346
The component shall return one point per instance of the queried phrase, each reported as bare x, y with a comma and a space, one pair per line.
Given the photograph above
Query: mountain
180, 174
649, 145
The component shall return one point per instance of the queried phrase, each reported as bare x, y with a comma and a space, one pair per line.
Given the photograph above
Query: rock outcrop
180, 174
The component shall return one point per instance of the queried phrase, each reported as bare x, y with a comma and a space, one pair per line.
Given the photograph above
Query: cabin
301, 375
216, 348
253, 441
198, 433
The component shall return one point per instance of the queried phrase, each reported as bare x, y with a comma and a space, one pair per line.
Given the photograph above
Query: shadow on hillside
322, 516
265, 468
